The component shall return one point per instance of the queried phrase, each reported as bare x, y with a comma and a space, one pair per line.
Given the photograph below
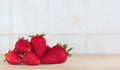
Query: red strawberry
31, 59
12, 57
47, 48
57, 54
38, 43
22, 46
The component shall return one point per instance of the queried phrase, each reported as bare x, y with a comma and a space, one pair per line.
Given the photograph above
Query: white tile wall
30, 16
66, 16
4, 16
103, 44
89, 26
76, 41
4, 44
103, 16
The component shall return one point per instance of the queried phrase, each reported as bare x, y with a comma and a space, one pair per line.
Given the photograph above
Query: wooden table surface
76, 62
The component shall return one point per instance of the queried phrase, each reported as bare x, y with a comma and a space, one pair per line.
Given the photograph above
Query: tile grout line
10, 23
98, 34
86, 2
48, 23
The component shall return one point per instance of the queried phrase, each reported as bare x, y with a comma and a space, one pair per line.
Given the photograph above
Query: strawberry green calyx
6, 54
65, 47
59, 44
5, 57
19, 38
31, 35
68, 51
42, 34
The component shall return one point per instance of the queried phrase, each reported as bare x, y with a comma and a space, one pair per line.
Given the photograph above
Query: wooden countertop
76, 62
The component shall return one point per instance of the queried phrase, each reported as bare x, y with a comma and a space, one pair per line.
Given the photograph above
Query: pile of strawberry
36, 51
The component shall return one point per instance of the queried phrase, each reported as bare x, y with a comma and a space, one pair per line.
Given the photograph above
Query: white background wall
90, 26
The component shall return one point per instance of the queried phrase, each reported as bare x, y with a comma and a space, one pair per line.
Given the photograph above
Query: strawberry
57, 54
31, 59
47, 48
22, 46
38, 44
12, 57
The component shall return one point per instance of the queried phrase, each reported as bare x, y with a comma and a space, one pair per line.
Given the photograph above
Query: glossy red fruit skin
55, 55
48, 48
22, 46
31, 59
12, 57
38, 44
